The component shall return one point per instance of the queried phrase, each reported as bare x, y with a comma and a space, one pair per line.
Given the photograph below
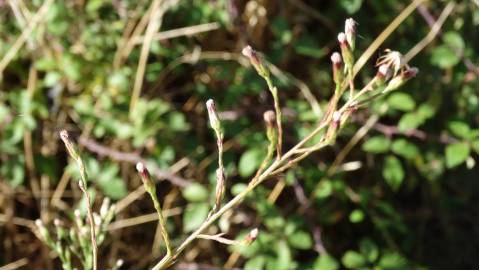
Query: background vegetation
404, 196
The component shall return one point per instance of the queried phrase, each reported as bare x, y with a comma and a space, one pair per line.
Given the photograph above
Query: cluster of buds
347, 42
76, 240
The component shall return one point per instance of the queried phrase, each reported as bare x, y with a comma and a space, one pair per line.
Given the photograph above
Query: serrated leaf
456, 154
195, 193
393, 172
378, 144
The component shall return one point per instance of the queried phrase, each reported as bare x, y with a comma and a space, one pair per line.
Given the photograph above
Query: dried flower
393, 59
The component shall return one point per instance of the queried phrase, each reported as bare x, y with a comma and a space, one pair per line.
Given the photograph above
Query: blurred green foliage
409, 202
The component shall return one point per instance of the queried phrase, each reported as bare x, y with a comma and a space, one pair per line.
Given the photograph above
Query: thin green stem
164, 233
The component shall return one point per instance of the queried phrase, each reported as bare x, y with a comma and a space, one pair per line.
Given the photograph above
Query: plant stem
161, 220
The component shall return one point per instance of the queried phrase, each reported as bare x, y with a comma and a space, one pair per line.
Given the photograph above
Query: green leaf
351, 6
454, 39
393, 261
249, 161
369, 249
410, 121
301, 240
405, 148
475, 146
378, 144
256, 263
444, 57
194, 216
195, 193
456, 154
326, 262
401, 101
353, 259
460, 129
393, 172
324, 189
356, 216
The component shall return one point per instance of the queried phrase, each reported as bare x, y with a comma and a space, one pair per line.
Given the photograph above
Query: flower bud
350, 30
269, 118
69, 144
254, 59
105, 205
144, 175
252, 235
400, 79
346, 50
337, 68
383, 74
43, 231
213, 115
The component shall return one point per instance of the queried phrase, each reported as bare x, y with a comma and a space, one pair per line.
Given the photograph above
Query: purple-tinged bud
144, 175
255, 60
410, 73
269, 118
400, 79
213, 115
337, 68
383, 74
69, 144
336, 117
251, 237
346, 50
350, 30
57, 222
